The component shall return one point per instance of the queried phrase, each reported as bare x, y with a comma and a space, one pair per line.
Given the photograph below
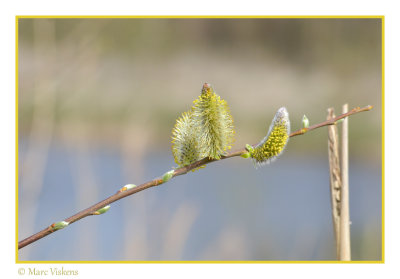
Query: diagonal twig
158, 181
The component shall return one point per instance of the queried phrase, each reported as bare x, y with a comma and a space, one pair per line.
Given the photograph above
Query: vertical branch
335, 178
345, 251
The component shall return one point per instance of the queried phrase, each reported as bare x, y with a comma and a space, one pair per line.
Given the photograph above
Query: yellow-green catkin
184, 141
275, 141
213, 123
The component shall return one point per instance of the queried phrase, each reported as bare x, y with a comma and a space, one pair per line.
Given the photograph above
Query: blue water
278, 212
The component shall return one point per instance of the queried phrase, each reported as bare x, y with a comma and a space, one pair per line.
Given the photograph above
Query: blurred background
98, 98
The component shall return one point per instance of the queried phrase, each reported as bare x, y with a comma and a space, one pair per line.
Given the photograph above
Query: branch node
304, 130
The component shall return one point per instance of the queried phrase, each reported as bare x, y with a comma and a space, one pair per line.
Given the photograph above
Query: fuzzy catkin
205, 131
184, 141
275, 142
213, 123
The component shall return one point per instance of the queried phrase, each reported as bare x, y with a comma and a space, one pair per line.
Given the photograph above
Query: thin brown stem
158, 181
330, 121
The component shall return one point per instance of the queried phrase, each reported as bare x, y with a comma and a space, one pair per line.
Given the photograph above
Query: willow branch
158, 181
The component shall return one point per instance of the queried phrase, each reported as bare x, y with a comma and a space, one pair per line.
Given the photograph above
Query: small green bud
246, 155
59, 225
127, 187
305, 121
102, 210
168, 175
339, 121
